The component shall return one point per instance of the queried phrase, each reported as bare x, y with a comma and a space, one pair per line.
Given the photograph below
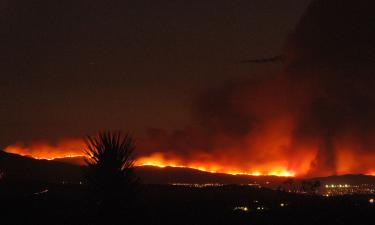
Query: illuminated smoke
315, 118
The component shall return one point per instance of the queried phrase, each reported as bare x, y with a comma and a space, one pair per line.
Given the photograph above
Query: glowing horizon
282, 165
157, 160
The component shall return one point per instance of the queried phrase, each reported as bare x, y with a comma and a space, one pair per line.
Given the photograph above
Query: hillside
18, 167
62, 170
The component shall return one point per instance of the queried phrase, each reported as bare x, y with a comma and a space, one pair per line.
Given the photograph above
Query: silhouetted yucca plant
110, 164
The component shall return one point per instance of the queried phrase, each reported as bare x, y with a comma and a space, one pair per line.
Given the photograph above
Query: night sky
170, 73
74, 67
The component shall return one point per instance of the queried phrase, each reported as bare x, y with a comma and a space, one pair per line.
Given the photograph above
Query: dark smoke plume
324, 99
331, 56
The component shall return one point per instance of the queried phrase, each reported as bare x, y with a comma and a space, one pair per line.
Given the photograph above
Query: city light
241, 208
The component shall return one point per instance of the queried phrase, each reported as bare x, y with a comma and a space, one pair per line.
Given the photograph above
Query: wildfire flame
159, 160
69, 148
214, 163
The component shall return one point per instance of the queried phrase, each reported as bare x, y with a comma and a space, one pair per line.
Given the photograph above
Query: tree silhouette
110, 167
315, 187
289, 183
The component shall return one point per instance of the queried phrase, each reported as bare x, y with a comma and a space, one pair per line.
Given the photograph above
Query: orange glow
158, 160
74, 148
282, 157
41, 149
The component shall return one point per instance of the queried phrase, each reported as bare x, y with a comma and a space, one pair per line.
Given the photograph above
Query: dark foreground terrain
46, 192
37, 203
